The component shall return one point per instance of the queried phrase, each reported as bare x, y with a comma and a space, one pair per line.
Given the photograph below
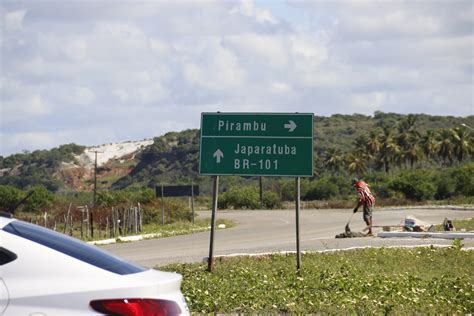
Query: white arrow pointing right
290, 126
218, 154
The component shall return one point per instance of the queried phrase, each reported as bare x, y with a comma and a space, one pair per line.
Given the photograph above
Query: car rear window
72, 247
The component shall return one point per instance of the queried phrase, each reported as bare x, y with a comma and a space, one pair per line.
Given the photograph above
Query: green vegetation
405, 159
121, 212
466, 224
345, 145
172, 158
163, 231
37, 168
200, 224
247, 198
37, 199
370, 281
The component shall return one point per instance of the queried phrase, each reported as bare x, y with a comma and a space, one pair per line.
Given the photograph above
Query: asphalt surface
275, 231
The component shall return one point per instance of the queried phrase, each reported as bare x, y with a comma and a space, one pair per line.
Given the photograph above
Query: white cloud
14, 20
28, 106
84, 95
248, 8
108, 64
28, 141
280, 88
373, 100
265, 50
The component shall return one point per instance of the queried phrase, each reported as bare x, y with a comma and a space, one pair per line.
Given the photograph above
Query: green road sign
257, 144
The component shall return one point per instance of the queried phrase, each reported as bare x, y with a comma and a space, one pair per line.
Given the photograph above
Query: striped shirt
365, 196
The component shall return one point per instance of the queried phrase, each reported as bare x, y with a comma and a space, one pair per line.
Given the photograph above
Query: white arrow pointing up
291, 126
218, 154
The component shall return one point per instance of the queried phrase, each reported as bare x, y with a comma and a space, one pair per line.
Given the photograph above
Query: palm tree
374, 144
390, 151
408, 139
446, 148
356, 163
334, 160
413, 152
430, 144
360, 143
461, 143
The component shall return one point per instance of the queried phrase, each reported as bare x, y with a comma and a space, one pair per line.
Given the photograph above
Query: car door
6, 257
4, 297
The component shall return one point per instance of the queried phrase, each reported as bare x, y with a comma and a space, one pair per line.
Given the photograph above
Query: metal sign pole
297, 199
215, 190
192, 200
162, 206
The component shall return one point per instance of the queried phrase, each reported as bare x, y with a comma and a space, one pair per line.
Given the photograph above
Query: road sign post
297, 206
256, 144
215, 193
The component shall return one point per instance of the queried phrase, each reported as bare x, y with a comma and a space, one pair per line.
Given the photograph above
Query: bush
323, 189
9, 197
271, 200
239, 198
465, 180
41, 200
446, 186
415, 185
288, 189
175, 210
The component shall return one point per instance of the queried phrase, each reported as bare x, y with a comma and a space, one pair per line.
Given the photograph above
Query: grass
162, 231
467, 224
369, 281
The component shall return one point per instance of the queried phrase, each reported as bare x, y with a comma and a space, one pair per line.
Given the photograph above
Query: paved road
274, 231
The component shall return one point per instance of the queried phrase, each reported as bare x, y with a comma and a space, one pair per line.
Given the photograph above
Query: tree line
400, 146
345, 145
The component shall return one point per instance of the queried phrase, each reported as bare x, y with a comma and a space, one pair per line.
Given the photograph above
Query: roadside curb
443, 235
427, 207
284, 253
120, 239
123, 239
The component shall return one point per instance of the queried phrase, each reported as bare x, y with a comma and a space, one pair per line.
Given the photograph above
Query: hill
341, 145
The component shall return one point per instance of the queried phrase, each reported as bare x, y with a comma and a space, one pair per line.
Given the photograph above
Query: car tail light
136, 307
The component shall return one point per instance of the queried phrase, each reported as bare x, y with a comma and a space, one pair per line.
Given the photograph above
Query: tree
334, 160
40, 200
461, 144
356, 163
408, 139
9, 197
430, 144
413, 150
390, 152
446, 148
374, 144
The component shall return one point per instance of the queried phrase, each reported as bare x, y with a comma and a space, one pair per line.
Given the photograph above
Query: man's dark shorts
367, 213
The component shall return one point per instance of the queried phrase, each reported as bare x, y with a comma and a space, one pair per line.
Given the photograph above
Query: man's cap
354, 181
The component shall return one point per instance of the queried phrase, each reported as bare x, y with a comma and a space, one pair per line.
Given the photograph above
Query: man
366, 199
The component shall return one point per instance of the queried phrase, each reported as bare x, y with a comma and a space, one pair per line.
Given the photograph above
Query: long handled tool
347, 228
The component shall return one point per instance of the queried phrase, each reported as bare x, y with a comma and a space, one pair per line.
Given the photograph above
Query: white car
43, 272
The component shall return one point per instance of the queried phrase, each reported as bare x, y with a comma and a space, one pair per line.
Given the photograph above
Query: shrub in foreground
370, 281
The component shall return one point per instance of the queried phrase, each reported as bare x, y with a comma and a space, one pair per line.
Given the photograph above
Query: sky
92, 72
